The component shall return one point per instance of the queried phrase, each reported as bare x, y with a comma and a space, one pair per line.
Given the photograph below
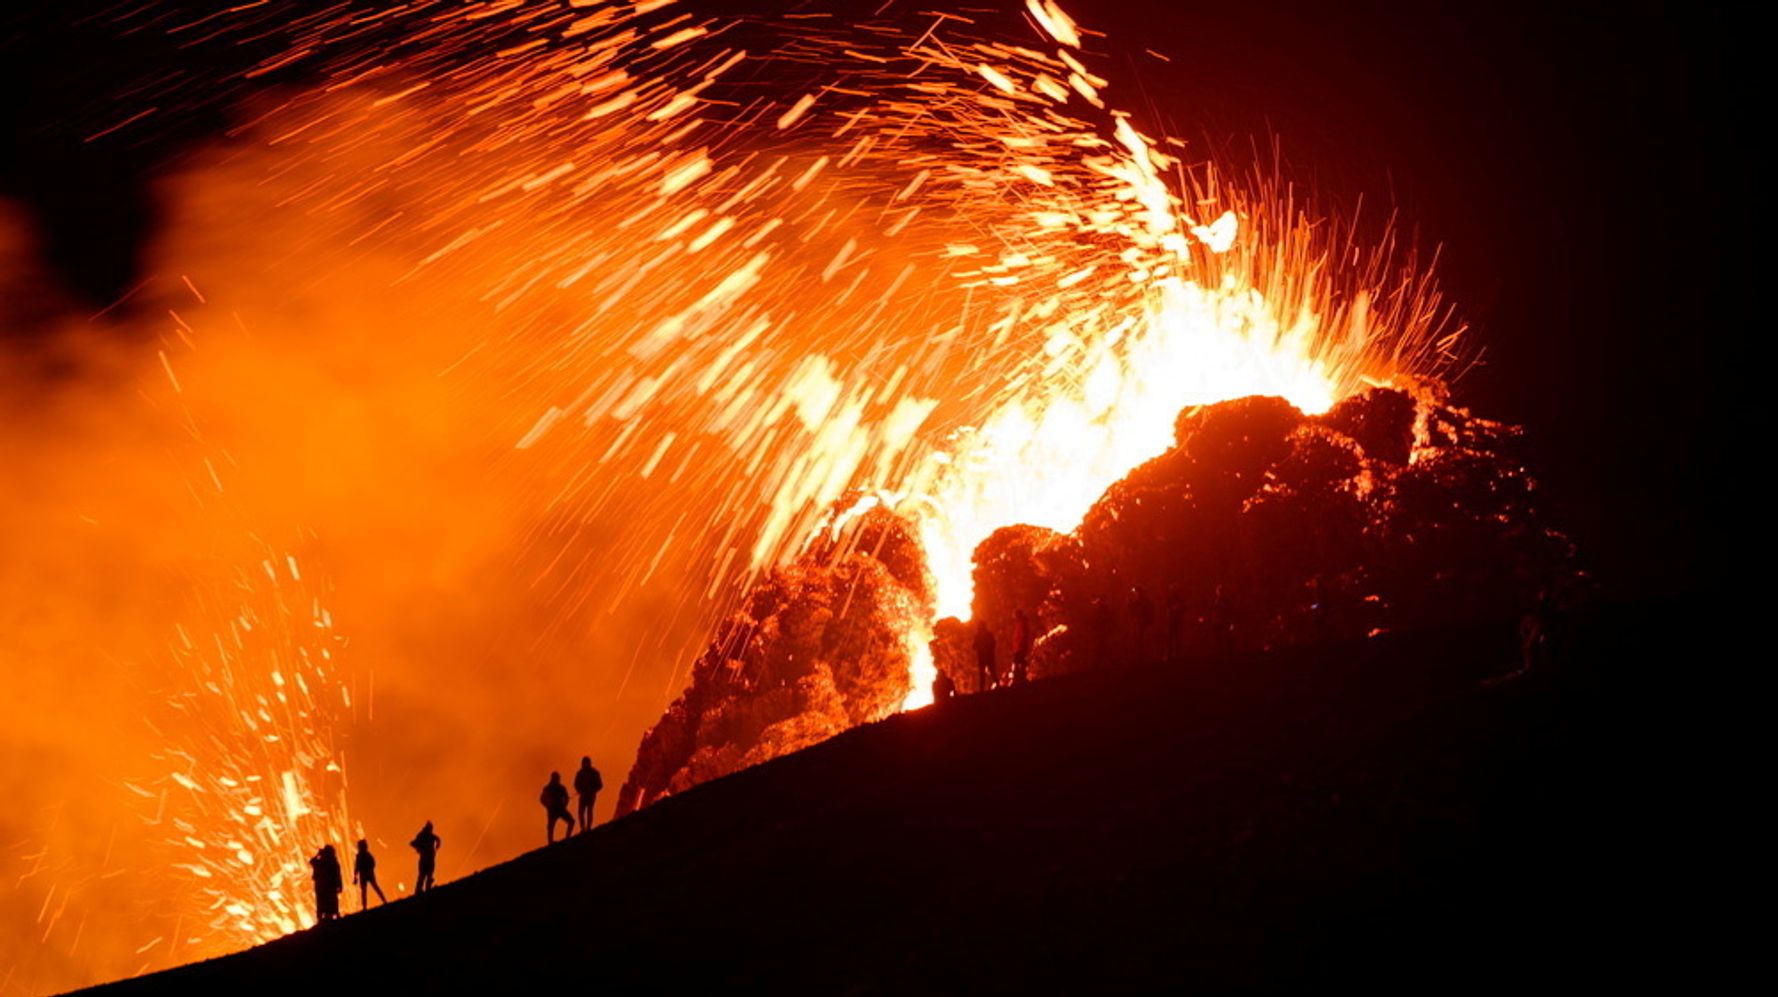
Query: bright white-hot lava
1045, 455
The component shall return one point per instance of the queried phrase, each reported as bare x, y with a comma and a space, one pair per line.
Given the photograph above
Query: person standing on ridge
1021, 647
364, 873
555, 803
984, 654
329, 882
427, 844
587, 784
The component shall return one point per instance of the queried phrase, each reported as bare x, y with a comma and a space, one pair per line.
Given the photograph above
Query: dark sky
1581, 172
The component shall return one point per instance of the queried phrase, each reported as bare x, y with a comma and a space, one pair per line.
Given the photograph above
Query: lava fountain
1124, 287
255, 758
254, 748
827, 299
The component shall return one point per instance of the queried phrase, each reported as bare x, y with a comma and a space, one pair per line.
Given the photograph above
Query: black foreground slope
1366, 814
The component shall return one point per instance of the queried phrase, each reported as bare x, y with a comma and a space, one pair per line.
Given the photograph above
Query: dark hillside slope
1370, 814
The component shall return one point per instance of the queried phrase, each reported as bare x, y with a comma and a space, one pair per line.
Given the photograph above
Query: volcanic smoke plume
1261, 527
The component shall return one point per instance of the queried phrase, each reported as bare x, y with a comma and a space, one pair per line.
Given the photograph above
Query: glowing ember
737, 272
926, 263
257, 780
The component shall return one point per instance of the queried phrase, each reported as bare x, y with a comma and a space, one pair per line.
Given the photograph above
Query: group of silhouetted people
587, 783
987, 657
329, 877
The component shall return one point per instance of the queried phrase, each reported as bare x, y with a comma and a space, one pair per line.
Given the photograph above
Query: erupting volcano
837, 362
1260, 528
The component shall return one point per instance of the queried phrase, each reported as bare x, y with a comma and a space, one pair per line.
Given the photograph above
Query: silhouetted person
943, 687
587, 784
1176, 607
329, 879
364, 873
427, 844
1141, 614
555, 803
1021, 646
984, 653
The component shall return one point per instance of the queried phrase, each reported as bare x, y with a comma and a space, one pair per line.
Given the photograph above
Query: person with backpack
427, 844
555, 803
587, 784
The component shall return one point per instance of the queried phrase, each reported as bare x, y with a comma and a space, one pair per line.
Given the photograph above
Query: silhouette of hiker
555, 803
1142, 614
587, 784
984, 653
427, 844
364, 873
324, 868
1021, 646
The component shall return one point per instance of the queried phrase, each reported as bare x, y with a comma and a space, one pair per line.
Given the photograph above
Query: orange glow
534, 353
255, 779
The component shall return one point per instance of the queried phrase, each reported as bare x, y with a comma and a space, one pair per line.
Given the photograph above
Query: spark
968, 286
257, 756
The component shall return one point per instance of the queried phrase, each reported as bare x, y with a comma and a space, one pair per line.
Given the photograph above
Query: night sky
1580, 173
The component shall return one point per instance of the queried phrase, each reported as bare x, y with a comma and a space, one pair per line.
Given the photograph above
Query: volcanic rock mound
821, 645
1262, 527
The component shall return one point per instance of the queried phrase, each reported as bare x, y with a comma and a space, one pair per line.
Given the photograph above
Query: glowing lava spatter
255, 733
256, 778
919, 256
747, 266
927, 260
1097, 400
